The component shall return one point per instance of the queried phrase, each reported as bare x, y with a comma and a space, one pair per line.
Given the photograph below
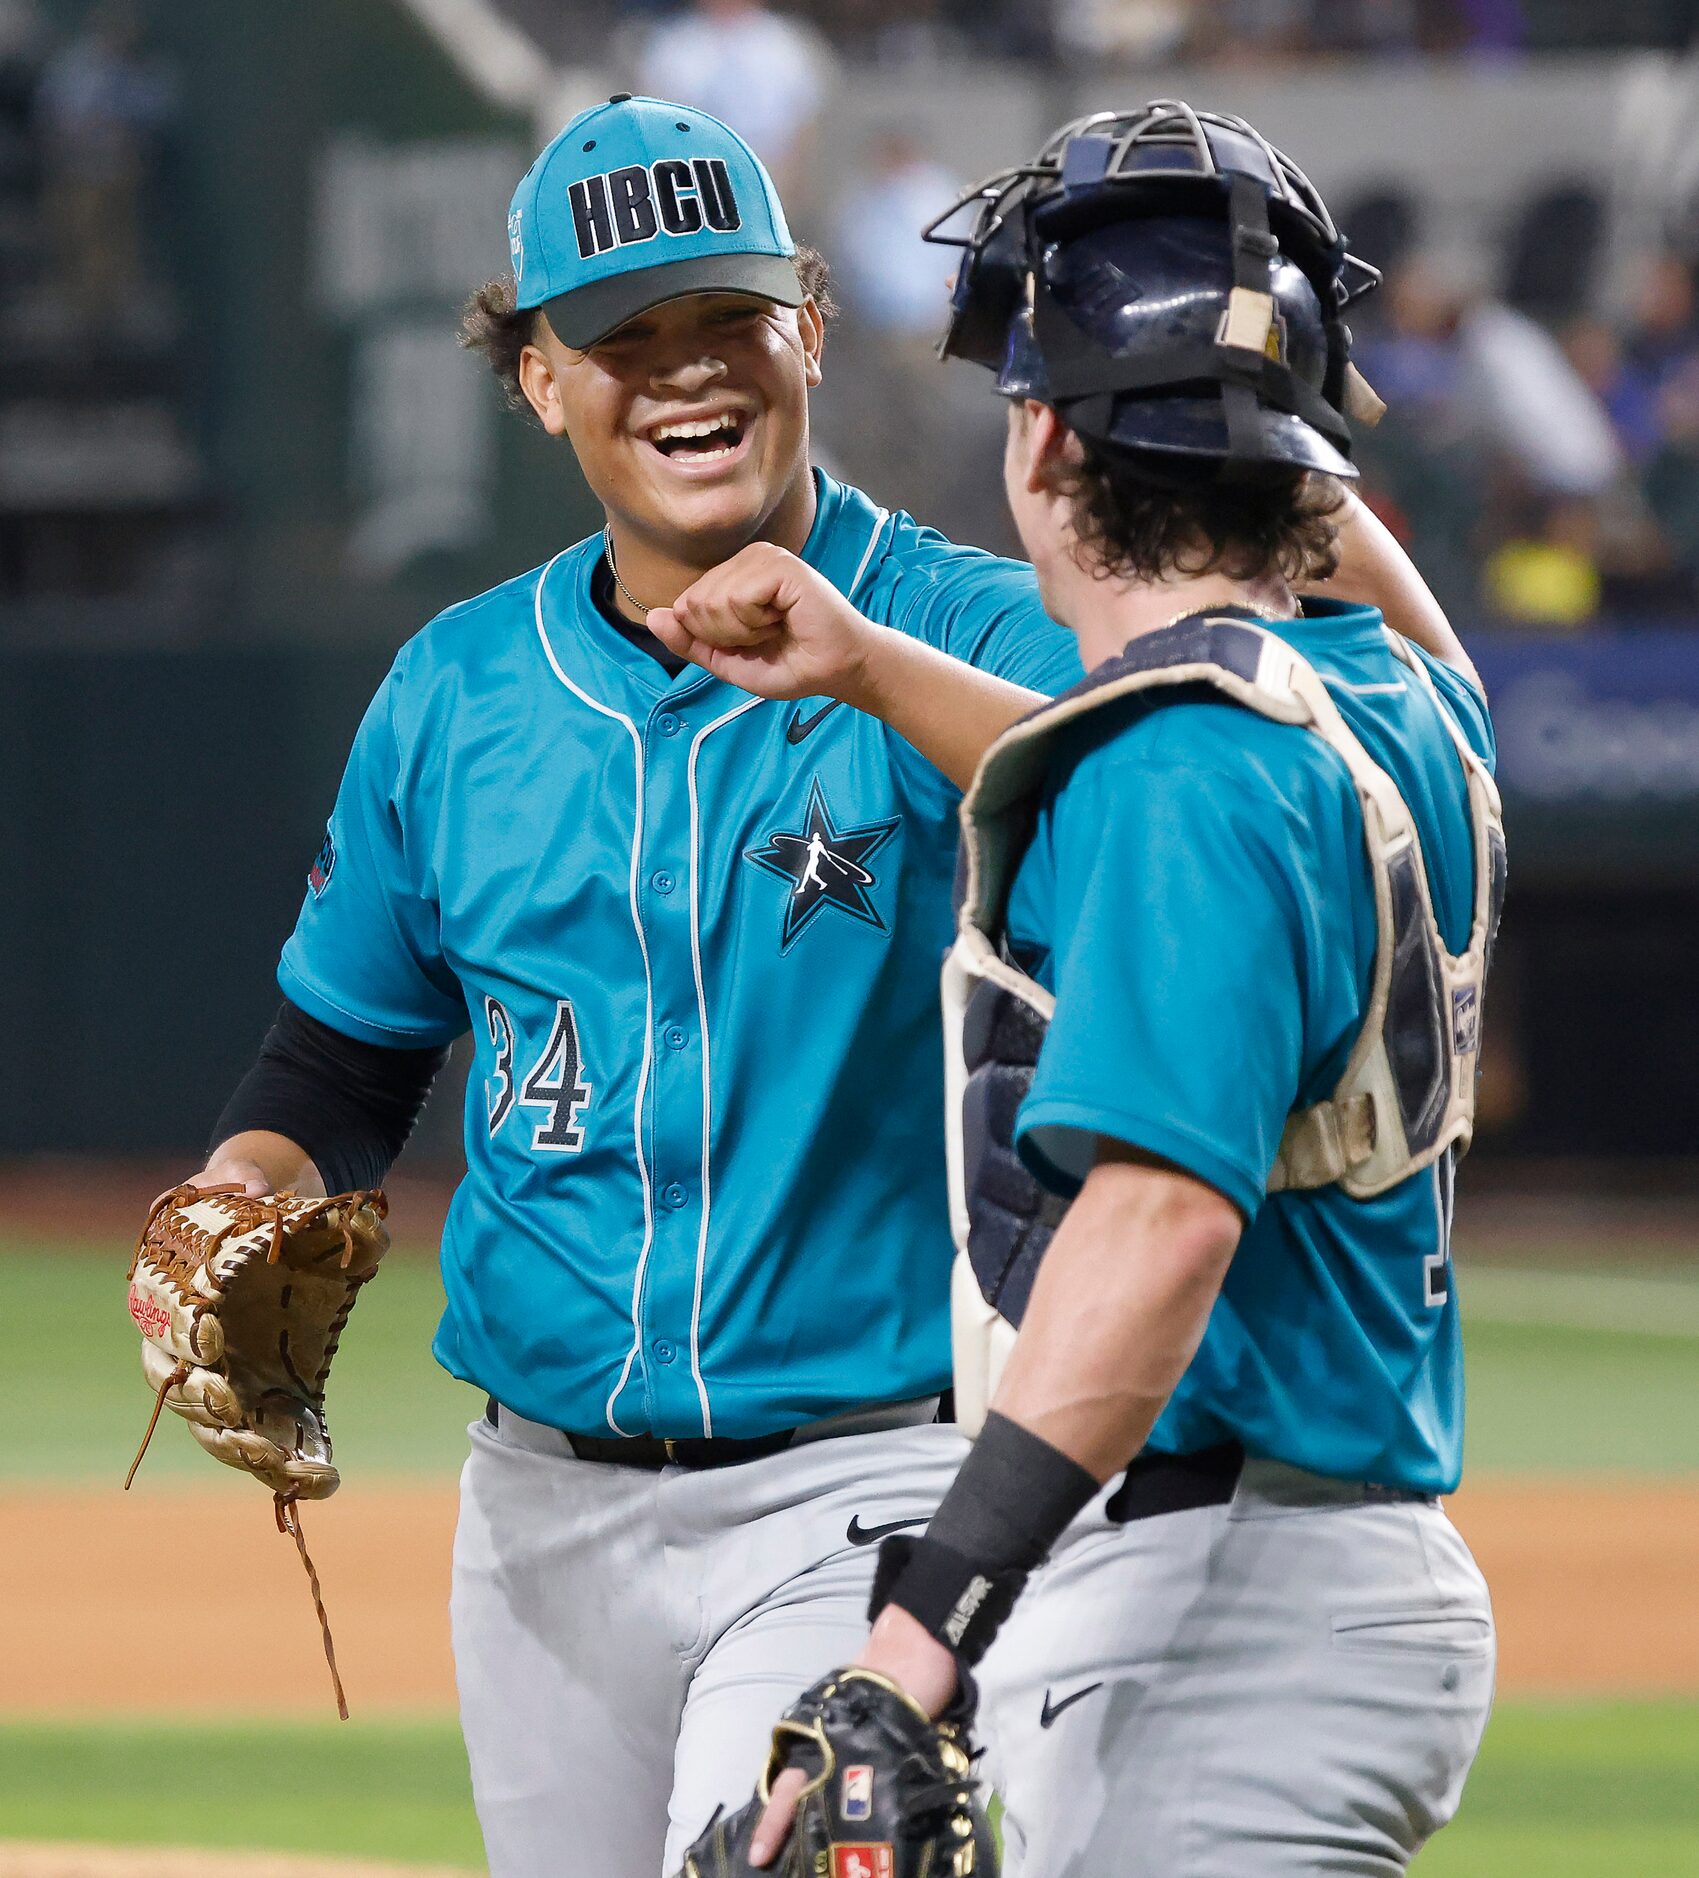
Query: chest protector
1407, 1094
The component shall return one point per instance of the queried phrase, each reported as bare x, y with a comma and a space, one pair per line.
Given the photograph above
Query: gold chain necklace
613, 568
1191, 612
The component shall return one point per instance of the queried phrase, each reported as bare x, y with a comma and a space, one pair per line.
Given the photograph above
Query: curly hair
490, 322
1128, 526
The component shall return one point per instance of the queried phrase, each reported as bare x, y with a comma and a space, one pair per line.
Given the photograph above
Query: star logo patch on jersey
824, 866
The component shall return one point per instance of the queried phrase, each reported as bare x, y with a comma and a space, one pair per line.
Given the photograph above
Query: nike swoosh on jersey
799, 726
1052, 1709
859, 1534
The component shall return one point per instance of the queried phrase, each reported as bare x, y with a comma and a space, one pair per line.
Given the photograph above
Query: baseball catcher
241, 1300
1224, 920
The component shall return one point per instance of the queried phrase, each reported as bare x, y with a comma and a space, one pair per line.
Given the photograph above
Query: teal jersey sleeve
366, 957
1173, 876
986, 612
1467, 704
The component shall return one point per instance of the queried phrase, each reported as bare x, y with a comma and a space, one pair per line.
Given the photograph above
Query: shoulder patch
318, 875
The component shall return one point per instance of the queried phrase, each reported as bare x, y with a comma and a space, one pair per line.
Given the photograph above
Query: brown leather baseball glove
241, 1303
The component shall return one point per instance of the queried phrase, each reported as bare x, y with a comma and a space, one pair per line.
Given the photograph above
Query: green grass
1548, 1400
1565, 1373
66, 1340
1582, 1790
1571, 1791
363, 1789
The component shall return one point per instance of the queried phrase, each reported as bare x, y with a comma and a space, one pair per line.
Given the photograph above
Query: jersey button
664, 1351
674, 1195
676, 1039
662, 882
668, 726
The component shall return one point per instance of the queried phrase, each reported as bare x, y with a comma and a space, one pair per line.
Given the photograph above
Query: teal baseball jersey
695, 935
1199, 899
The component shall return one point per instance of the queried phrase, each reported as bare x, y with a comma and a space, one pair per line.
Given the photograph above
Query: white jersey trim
879, 522
648, 993
701, 738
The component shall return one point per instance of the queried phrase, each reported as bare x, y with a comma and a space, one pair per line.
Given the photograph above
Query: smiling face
690, 422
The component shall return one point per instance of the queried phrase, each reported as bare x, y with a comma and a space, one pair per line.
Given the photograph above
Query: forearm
1116, 1315
1117, 1312
282, 1163
950, 711
327, 1103
1375, 570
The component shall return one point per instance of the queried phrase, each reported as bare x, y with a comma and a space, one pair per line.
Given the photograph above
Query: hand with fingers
861, 1782
769, 623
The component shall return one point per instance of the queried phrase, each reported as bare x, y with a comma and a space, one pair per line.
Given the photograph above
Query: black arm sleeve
350, 1105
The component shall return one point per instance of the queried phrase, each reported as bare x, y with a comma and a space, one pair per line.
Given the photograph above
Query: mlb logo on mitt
862, 1861
856, 1800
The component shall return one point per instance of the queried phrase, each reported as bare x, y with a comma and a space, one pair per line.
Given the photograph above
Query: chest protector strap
1407, 1093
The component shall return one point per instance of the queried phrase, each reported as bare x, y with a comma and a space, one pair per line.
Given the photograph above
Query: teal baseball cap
639, 201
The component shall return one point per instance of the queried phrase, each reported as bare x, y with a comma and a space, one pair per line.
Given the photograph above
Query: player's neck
1106, 615
654, 569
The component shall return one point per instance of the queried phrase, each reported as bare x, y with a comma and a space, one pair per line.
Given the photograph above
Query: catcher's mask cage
1173, 285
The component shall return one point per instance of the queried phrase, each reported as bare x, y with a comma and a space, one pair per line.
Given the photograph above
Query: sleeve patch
318, 875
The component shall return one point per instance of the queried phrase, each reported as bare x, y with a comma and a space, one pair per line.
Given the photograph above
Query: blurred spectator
1663, 324
1133, 31
1595, 351
104, 107
1555, 249
1530, 402
763, 74
888, 276
1547, 573
1672, 475
1251, 30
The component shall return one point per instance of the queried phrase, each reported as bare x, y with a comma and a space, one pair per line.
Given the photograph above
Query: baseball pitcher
700, 1259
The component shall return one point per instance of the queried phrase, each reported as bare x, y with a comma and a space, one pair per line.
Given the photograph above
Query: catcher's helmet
1174, 286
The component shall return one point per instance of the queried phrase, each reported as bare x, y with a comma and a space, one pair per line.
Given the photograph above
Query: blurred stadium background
241, 458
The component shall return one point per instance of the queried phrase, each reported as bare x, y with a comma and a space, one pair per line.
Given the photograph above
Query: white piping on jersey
879, 522
702, 737
1390, 690
648, 994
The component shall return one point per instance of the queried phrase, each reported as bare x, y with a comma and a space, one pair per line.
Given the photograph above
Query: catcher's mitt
241, 1303
889, 1793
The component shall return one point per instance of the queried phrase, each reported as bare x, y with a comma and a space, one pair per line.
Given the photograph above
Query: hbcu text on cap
635, 204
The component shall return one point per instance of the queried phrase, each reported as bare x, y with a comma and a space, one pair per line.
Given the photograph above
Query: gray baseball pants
1290, 1684
624, 1640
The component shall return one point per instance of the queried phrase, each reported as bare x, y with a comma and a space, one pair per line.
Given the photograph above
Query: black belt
1180, 1483
655, 1452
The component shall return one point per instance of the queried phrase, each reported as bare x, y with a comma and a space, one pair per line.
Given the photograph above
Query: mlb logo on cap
638, 201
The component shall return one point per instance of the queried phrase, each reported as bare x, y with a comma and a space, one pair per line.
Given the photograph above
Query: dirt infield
1592, 1581
103, 1861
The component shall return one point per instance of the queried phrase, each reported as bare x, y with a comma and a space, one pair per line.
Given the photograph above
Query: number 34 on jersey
554, 1083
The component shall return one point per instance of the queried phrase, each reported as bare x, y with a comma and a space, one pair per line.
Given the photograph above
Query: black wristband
946, 1594
1012, 1500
